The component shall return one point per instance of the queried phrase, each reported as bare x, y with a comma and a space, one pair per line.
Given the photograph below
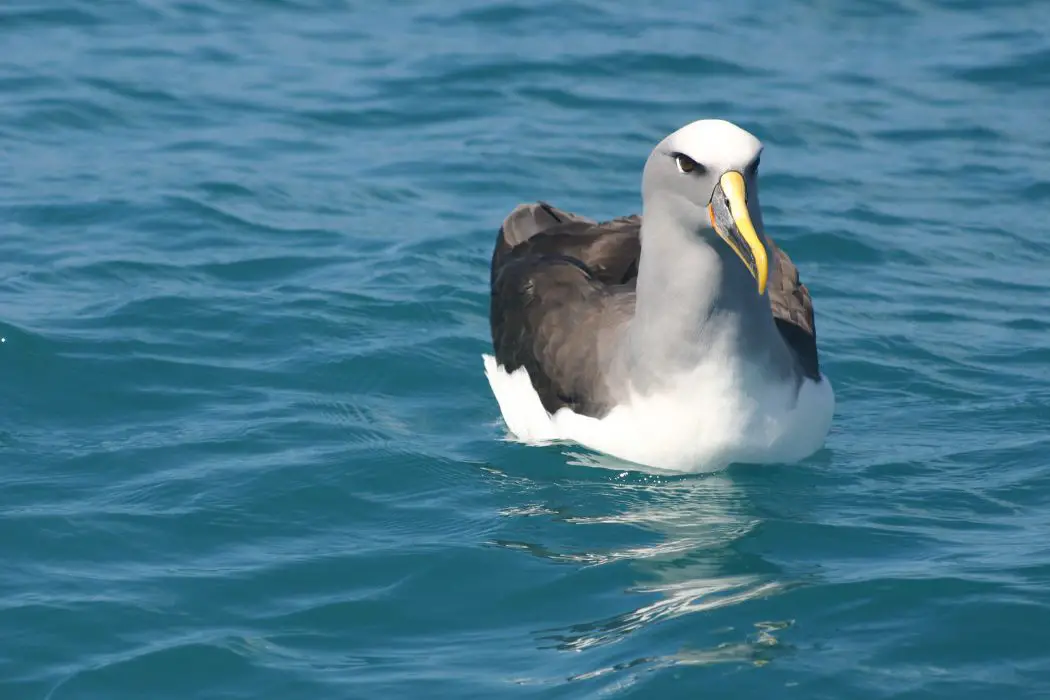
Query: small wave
676, 600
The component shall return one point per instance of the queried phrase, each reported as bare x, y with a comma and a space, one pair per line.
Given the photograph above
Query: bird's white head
705, 176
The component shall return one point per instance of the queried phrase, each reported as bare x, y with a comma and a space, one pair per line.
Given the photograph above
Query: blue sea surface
247, 449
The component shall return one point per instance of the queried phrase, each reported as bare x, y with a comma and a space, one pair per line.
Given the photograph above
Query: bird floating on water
678, 339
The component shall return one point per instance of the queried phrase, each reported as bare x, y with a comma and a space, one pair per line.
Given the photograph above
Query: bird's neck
695, 302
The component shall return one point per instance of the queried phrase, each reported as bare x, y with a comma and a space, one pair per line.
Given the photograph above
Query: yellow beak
732, 220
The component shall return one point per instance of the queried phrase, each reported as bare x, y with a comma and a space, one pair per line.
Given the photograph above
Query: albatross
680, 338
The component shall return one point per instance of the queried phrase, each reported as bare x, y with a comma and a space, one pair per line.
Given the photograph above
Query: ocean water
247, 449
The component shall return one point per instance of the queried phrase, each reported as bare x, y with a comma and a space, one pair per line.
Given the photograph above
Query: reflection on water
692, 566
759, 649
678, 599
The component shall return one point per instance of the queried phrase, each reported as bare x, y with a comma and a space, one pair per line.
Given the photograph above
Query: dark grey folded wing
793, 312
554, 279
609, 250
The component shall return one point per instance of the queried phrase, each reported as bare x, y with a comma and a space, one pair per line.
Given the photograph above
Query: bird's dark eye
687, 164
753, 168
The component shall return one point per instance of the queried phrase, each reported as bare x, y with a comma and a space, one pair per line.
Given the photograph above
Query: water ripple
243, 425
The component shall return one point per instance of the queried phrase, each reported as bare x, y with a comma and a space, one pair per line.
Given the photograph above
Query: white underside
716, 415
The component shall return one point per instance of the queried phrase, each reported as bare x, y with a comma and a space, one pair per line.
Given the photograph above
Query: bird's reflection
692, 563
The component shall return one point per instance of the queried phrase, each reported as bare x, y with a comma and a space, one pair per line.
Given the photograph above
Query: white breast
714, 415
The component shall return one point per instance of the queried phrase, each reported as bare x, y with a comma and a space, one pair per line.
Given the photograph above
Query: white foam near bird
679, 340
